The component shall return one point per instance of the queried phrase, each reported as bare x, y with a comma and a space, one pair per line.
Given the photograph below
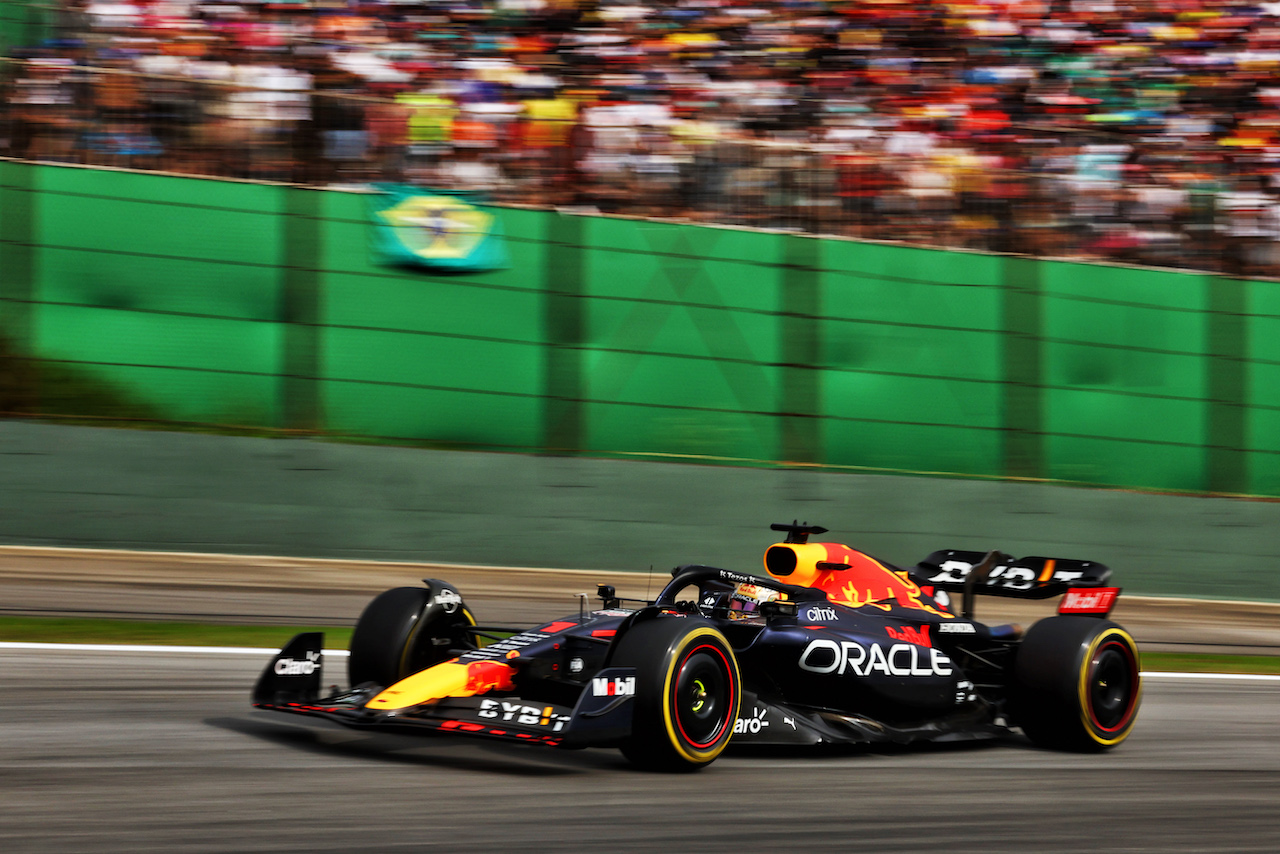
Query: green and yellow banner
416, 227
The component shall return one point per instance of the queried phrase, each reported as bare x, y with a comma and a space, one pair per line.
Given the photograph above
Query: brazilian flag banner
438, 230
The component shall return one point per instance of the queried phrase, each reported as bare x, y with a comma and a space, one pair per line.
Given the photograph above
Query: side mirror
608, 595
779, 609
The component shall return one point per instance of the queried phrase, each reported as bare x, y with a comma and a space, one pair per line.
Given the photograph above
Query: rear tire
1077, 684
406, 630
688, 690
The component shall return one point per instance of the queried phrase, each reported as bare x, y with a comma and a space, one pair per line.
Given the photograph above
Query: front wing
292, 683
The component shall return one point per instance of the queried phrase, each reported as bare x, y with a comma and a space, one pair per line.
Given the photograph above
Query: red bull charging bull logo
485, 676
846, 575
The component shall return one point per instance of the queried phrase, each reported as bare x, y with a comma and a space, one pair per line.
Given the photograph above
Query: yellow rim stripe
1084, 685
700, 756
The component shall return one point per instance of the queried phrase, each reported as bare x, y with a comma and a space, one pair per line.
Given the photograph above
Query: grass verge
80, 630
1210, 663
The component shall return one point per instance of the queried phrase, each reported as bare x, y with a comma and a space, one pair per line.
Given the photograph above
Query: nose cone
449, 679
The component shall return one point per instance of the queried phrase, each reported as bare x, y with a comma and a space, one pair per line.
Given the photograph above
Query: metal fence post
18, 208
1022, 383
300, 287
800, 397
1226, 373
563, 428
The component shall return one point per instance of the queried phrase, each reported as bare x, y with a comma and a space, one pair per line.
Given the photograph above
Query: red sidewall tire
688, 692
1077, 683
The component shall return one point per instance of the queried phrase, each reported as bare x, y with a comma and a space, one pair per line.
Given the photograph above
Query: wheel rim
1112, 683
703, 696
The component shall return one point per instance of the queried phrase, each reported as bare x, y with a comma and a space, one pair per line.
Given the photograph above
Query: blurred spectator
1124, 130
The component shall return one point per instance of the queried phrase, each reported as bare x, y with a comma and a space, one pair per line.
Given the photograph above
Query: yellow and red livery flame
865, 582
450, 679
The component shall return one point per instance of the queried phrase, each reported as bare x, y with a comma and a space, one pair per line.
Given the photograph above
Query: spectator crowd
1141, 131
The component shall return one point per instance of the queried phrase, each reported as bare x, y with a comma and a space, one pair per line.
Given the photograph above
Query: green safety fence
25, 22
255, 306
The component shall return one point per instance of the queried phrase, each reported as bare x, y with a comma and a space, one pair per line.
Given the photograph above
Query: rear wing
997, 574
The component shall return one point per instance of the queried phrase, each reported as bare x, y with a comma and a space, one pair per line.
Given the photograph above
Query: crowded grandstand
1118, 130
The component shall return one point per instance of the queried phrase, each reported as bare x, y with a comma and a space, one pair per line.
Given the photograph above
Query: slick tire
1077, 684
688, 690
405, 630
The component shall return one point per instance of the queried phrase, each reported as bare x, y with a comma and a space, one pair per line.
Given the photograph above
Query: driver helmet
745, 600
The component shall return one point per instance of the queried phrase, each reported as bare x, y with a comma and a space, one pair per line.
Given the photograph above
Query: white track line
119, 647
342, 653
1170, 674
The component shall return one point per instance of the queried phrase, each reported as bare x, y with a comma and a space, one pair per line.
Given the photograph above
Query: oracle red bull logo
901, 659
910, 634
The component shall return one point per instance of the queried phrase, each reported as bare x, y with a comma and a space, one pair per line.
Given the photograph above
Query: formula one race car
832, 646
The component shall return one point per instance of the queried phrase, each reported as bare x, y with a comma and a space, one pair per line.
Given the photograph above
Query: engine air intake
780, 560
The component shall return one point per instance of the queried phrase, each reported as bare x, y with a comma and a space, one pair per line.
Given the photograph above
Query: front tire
688, 690
406, 630
1077, 684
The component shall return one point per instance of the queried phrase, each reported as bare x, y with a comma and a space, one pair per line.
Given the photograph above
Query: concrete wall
78, 486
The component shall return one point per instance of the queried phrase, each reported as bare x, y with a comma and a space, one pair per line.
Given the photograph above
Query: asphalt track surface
158, 751
110, 751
